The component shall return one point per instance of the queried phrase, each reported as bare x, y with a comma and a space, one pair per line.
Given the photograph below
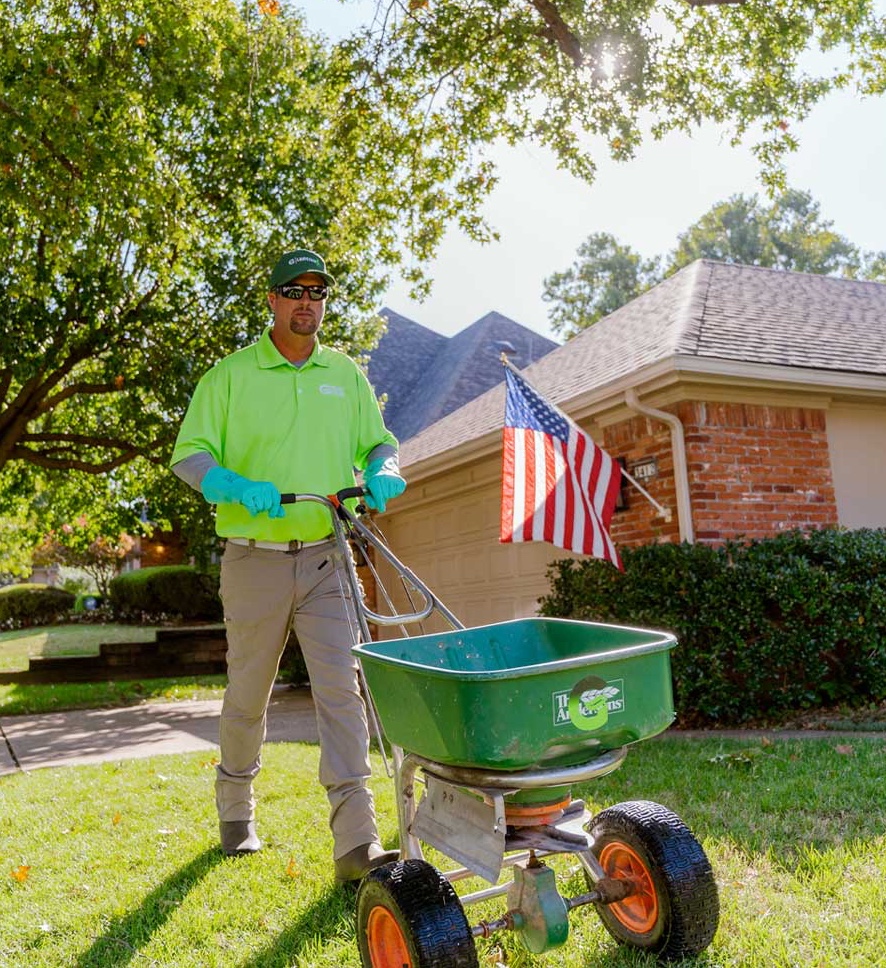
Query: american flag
557, 484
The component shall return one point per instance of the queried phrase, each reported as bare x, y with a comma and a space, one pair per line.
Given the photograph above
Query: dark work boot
238, 837
357, 863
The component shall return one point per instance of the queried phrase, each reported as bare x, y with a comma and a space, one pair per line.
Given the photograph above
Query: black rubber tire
686, 898
427, 912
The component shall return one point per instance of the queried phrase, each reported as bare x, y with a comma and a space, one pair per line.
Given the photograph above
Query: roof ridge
746, 266
691, 312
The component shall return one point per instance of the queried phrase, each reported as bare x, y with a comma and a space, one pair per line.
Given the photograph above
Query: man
290, 414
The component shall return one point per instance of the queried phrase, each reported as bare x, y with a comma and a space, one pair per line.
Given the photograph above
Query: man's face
299, 316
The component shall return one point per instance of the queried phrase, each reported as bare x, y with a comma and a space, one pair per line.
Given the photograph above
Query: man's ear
272, 299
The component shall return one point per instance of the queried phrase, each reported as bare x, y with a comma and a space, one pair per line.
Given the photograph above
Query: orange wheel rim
387, 945
639, 910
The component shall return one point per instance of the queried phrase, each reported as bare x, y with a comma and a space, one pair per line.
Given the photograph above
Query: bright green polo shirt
304, 429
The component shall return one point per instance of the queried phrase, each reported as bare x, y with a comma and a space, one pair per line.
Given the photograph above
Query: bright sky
542, 215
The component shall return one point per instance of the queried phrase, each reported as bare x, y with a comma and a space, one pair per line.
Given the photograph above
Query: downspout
678, 448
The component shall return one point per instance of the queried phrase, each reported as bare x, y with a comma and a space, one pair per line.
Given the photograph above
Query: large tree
155, 159
787, 233
605, 275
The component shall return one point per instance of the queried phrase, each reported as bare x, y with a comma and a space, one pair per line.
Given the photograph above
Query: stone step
177, 652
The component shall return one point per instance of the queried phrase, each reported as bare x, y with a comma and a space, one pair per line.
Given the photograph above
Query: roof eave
665, 375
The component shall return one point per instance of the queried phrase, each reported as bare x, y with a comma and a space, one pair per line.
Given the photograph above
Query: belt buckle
295, 547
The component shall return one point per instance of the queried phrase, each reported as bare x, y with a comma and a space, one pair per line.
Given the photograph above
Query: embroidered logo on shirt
331, 390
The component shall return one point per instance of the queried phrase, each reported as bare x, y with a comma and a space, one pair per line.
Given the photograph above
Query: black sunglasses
315, 293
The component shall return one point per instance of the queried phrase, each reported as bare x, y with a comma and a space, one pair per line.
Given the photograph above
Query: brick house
748, 401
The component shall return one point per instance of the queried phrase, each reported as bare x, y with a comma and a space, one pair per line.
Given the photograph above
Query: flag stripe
557, 484
508, 484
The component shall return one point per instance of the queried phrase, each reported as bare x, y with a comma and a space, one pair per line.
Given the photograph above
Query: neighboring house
426, 375
45, 576
160, 548
748, 401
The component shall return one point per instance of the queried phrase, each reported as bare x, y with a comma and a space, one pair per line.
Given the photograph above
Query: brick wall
639, 522
753, 471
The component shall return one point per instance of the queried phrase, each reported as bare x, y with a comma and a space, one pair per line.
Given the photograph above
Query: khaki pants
264, 593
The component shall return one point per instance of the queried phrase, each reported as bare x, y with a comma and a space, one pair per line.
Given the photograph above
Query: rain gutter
678, 449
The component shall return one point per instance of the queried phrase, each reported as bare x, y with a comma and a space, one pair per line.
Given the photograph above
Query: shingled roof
427, 376
707, 316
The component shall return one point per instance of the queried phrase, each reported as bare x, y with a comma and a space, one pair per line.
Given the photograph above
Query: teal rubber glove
221, 486
383, 482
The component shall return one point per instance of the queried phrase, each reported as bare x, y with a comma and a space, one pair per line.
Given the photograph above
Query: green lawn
17, 646
114, 865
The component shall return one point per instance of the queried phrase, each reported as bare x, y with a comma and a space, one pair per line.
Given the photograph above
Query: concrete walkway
97, 735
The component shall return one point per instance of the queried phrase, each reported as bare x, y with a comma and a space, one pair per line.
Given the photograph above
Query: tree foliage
155, 160
559, 71
135, 499
787, 233
605, 275
17, 536
80, 544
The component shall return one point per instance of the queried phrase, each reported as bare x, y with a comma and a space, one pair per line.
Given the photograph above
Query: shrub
166, 590
780, 624
32, 604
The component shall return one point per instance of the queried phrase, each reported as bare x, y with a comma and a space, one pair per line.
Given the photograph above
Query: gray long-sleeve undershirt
193, 469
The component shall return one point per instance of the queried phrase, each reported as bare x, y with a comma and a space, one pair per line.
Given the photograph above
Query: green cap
297, 263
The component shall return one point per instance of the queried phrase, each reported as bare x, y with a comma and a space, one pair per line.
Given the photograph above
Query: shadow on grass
125, 936
320, 922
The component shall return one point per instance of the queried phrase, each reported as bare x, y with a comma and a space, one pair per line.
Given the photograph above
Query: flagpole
663, 511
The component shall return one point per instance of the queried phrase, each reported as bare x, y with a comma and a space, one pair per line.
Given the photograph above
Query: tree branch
50, 403
46, 141
33, 393
559, 30
85, 439
5, 383
57, 457
72, 463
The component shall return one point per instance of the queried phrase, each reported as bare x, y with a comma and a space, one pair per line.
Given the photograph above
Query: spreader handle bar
344, 521
346, 492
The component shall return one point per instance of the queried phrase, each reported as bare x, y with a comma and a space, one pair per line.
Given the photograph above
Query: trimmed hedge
765, 627
166, 590
33, 604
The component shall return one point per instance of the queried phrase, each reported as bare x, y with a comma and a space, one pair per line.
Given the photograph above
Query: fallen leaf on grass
20, 873
116, 818
845, 749
291, 868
